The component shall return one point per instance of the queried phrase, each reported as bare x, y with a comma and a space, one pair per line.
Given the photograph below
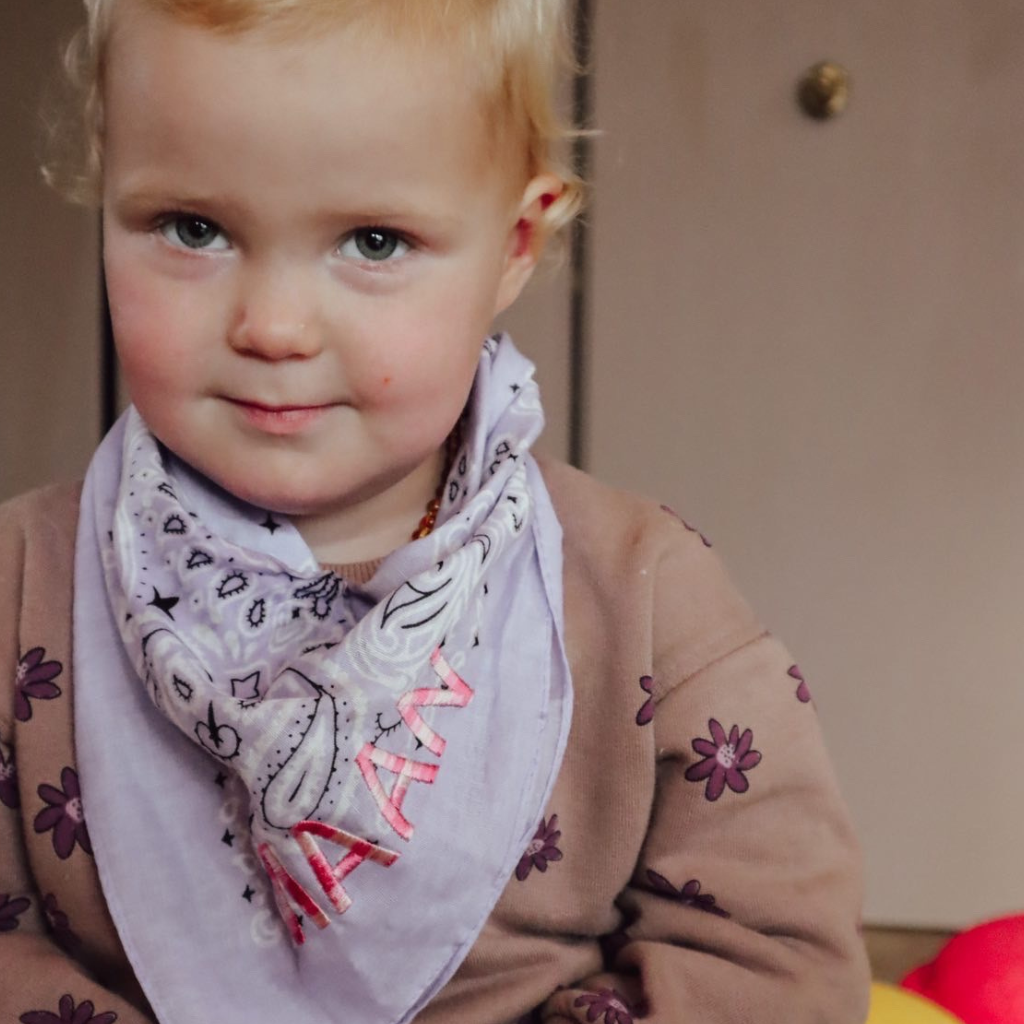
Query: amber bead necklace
451, 447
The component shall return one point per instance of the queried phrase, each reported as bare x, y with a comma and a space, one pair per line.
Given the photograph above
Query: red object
979, 974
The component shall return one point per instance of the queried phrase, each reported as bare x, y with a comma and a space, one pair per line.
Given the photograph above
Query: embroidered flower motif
542, 849
9, 911
9, 795
690, 894
69, 1014
726, 758
64, 815
57, 921
606, 1002
646, 713
34, 678
803, 694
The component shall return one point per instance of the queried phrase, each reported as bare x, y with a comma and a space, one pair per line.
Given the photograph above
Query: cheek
414, 401
147, 321
406, 390
429, 369
426, 406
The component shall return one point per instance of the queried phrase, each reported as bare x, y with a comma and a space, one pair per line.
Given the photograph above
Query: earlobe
527, 237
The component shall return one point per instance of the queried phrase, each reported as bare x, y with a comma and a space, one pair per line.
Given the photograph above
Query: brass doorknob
824, 90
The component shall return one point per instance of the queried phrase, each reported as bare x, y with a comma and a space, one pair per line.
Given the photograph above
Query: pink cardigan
696, 863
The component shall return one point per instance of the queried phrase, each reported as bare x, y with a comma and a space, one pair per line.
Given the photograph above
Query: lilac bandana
305, 797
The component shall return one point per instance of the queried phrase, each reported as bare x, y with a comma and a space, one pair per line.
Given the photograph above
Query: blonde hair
517, 48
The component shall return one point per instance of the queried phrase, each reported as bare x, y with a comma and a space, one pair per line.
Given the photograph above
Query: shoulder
611, 528
37, 549
592, 511
42, 521
641, 567
44, 504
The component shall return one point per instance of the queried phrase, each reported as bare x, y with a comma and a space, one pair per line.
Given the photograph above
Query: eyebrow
134, 197
146, 196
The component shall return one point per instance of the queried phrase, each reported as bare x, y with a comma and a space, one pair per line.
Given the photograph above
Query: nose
277, 315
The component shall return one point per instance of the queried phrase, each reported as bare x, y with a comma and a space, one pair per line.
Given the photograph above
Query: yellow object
891, 1005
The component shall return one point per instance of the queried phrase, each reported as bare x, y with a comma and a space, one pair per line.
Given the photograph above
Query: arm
56, 939
40, 979
746, 895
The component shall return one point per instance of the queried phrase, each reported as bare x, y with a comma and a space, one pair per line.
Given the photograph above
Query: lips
280, 420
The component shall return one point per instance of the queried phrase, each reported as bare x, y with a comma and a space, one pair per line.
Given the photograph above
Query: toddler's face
305, 244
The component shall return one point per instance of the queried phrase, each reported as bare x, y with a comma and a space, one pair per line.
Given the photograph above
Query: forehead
342, 102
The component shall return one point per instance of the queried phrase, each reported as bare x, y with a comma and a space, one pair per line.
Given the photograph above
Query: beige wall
49, 284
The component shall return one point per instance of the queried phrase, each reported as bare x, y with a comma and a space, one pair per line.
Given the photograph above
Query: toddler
327, 701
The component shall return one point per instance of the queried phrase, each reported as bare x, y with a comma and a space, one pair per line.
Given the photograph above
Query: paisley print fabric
386, 747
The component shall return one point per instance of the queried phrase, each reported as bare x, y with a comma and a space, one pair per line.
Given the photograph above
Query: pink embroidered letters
289, 893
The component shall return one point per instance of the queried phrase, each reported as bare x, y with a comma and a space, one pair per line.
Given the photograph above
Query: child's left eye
373, 245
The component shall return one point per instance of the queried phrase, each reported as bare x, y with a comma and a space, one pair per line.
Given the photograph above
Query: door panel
806, 337
539, 324
49, 276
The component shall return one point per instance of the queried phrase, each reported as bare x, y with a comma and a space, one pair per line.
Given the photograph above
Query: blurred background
793, 312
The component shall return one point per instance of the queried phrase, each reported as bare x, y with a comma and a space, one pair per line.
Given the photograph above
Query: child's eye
193, 233
375, 245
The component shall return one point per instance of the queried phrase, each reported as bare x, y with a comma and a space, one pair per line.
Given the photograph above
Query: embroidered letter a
288, 891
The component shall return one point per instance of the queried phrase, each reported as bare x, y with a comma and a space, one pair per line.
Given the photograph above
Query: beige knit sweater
676, 877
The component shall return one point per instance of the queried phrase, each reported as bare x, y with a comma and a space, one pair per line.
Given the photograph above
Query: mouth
280, 420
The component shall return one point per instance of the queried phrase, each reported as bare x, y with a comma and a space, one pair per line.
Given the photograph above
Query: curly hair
517, 51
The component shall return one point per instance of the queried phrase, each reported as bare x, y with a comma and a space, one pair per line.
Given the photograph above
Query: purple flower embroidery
690, 894
64, 815
542, 849
646, 712
9, 795
60, 927
606, 1002
726, 758
33, 678
803, 694
9, 911
693, 529
68, 1014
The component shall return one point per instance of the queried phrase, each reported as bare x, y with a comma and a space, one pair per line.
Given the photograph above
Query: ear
527, 238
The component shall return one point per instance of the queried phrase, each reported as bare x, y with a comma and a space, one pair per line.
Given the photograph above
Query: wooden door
806, 336
49, 272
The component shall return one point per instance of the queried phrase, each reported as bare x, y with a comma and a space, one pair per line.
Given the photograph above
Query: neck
375, 526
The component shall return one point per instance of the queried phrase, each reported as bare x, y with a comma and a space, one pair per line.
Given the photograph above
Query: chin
285, 498
291, 503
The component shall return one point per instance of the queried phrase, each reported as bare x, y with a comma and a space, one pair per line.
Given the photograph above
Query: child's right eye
193, 233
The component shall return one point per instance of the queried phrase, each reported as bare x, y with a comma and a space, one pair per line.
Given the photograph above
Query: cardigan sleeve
745, 901
41, 981
56, 941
